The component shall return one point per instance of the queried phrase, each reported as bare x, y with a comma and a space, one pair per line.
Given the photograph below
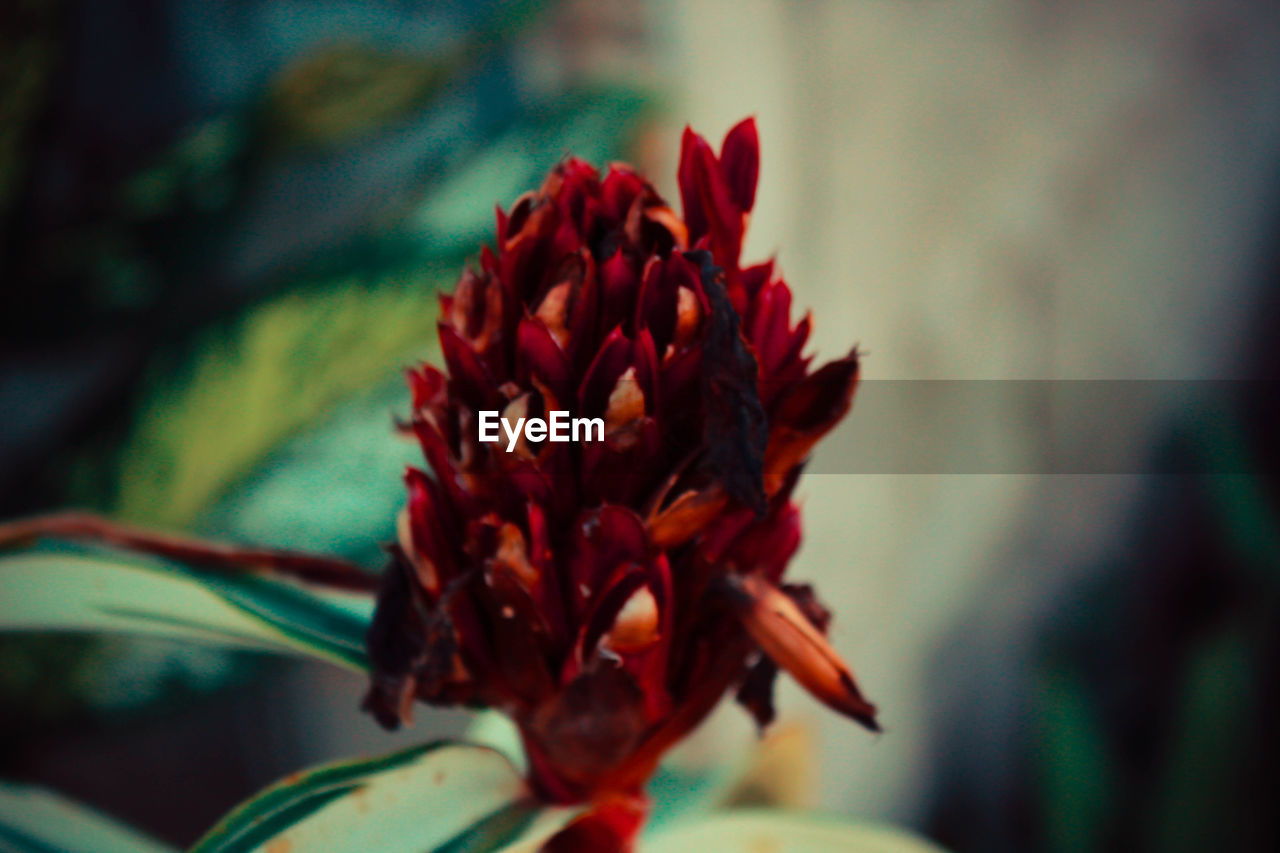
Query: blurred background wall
223, 222
996, 191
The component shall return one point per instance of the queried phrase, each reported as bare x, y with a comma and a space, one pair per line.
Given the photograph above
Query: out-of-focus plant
1144, 697
239, 255
604, 596
1198, 639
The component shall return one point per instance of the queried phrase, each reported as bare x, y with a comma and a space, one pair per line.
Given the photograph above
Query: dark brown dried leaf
735, 428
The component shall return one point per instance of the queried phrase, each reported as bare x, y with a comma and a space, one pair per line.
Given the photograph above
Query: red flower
606, 594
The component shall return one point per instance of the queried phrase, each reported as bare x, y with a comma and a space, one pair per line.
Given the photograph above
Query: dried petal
787, 636
756, 691
807, 413
397, 645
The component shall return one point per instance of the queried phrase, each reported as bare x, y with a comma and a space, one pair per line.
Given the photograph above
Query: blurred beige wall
983, 190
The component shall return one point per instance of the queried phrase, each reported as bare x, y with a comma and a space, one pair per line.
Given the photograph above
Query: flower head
606, 594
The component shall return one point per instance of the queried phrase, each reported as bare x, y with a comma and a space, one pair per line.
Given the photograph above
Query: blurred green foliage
1074, 770
1151, 725
277, 370
342, 92
272, 269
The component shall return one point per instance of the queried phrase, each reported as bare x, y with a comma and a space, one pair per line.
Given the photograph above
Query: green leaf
33, 820
338, 94
749, 831
439, 797
495, 730
51, 681
83, 592
335, 95
252, 386
334, 490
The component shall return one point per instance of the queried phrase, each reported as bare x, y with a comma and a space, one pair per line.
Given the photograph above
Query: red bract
606, 594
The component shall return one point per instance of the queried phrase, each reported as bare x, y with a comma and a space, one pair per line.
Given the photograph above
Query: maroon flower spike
605, 594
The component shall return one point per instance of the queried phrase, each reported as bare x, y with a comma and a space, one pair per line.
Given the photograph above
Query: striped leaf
267, 377
430, 799
51, 591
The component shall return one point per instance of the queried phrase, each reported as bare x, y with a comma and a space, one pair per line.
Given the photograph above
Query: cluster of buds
606, 594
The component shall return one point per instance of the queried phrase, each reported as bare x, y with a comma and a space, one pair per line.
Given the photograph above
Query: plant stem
87, 527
